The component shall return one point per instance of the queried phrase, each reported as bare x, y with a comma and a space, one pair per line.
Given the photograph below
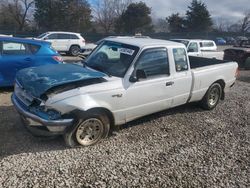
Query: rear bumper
229, 85
39, 125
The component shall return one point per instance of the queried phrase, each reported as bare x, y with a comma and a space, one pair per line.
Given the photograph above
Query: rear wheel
89, 131
74, 50
212, 97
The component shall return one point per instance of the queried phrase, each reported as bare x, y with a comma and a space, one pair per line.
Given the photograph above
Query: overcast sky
231, 10
219, 9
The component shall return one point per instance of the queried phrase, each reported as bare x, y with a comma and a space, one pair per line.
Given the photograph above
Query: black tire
74, 50
85, 132
212, 97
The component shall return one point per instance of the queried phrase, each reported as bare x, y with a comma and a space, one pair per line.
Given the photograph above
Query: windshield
112, 58
185, 42
42, 35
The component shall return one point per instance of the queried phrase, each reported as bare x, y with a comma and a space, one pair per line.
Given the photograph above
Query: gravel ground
71, 59
181, 147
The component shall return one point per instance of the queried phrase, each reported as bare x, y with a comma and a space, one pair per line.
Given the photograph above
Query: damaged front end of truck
35, 86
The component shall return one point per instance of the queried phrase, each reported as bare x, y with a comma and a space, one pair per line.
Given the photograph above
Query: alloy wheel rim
89, 131
75, 51
213, 96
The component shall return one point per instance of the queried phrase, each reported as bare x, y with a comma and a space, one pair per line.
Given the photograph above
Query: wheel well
222, 84
74, 45
77, 114
105, 111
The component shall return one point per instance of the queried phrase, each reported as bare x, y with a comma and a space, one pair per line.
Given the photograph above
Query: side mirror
114, 49
139, 74
46, 38
190, 50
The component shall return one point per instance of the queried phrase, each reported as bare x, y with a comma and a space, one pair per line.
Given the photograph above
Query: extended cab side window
180, 58
154, 62
193, 47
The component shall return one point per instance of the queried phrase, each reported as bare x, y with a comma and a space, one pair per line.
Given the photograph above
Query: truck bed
206, 71
197, 62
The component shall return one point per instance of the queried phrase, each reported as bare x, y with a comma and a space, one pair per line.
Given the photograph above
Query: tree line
106, 16
198, 18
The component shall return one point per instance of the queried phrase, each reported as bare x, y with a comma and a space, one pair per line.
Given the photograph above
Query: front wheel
212, 97
89, 131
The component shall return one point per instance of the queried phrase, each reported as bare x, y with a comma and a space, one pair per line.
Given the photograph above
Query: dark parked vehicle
230, 40
239, 39
18, 53
239, 53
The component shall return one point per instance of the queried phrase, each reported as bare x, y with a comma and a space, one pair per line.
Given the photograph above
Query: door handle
169, 83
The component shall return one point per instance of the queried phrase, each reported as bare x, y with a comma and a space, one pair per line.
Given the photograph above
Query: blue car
18, 53
220, 41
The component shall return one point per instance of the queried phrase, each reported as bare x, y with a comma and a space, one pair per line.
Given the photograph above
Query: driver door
152, 94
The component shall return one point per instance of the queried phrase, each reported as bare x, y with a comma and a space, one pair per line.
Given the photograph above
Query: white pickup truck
201, 48
123, 79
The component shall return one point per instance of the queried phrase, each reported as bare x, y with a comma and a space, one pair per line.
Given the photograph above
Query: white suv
71, 43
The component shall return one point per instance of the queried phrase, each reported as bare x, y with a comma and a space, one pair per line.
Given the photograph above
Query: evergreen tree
176, 23
135, 19
198, 17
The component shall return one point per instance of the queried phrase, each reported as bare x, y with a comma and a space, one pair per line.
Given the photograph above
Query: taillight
237, 73
58, 58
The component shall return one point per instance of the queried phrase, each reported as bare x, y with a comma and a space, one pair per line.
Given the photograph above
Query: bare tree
245, 23
160, 25
222, 25
19, 10
108, 11
235, 27
105, 14
121, 6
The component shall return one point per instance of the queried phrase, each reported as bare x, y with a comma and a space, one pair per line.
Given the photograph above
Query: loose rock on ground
181, 147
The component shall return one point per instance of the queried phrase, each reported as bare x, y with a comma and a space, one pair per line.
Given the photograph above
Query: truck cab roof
144, 42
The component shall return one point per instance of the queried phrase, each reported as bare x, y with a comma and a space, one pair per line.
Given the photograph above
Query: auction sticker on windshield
126, 51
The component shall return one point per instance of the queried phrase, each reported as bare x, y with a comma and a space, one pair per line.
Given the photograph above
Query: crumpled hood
38, 80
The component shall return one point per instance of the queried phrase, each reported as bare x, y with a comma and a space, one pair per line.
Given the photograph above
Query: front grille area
33, 105
22, 95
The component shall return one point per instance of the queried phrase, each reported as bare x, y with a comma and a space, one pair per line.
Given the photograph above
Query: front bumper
39, 125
